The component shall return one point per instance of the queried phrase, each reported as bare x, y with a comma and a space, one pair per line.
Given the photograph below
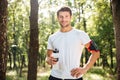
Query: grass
96, 73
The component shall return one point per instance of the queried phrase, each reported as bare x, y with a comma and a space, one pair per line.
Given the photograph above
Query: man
68, 44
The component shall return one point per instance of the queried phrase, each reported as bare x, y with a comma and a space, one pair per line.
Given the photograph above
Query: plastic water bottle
56, 56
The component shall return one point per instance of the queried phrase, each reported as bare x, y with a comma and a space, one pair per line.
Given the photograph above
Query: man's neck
66, 29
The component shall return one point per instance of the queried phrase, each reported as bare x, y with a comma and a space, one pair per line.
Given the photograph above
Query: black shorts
54, 78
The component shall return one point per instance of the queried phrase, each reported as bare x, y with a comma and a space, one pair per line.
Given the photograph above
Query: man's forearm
94, 56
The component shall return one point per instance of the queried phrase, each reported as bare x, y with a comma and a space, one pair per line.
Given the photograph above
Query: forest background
92, 16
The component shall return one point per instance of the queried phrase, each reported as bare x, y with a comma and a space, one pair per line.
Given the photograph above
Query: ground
96, 73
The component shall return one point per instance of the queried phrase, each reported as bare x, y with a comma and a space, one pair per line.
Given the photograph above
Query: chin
64, 26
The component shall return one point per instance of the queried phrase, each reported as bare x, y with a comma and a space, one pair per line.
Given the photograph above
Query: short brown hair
64, 9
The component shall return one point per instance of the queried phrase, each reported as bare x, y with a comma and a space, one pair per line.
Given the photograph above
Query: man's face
64, 18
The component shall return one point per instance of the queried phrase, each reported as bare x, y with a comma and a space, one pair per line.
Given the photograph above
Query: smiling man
65, 48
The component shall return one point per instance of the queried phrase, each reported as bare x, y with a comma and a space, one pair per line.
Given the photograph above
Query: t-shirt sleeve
49, 45
85, 38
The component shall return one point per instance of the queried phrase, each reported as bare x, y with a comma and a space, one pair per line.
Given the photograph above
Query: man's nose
63, 18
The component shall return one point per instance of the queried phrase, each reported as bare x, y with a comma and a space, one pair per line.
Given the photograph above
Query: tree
116, 22
34, 43
104, 26
17, 32
3, 38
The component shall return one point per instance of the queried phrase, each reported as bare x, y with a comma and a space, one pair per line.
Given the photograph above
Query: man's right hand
51, 60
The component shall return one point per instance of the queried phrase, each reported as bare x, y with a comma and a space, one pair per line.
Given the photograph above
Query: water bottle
56, 56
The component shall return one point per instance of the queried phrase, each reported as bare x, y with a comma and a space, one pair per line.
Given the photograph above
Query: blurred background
92, 16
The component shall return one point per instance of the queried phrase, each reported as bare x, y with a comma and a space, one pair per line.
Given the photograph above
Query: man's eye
61, 17
66, 16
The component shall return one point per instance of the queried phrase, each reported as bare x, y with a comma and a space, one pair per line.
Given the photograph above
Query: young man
68, 44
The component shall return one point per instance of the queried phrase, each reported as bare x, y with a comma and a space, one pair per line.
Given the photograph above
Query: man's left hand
76, 72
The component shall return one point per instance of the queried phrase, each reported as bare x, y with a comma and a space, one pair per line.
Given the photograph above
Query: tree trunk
33, 46
116, 22
3, 38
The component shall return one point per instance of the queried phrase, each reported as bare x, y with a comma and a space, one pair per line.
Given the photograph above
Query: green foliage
96, 14
43, 78
9, 78
96, 73
99, 26
18, 23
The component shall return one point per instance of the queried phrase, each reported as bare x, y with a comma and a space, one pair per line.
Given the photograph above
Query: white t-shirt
70, 45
